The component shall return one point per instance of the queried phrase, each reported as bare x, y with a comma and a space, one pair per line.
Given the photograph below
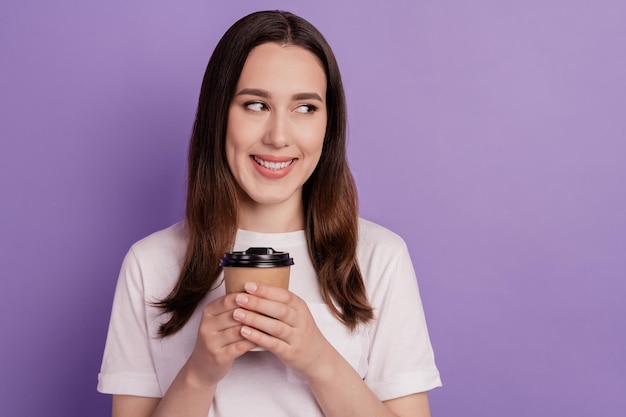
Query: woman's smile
273, 167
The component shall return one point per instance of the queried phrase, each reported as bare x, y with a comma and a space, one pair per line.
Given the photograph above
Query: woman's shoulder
380, 253
156, 261
164, 242
376, 238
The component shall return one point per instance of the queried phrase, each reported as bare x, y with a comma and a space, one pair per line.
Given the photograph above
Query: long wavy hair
329, 195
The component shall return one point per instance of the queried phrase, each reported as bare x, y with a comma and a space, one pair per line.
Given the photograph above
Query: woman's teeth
274, 166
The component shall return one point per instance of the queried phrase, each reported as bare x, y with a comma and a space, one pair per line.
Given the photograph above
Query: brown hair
329, 195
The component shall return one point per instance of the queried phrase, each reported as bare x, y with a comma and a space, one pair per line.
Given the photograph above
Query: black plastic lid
256, 258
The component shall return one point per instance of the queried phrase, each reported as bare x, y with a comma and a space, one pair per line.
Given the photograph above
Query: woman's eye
255, 106
306, 108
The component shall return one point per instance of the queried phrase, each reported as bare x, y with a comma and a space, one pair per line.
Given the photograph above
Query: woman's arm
340, 391
129, 405
408, 406
191, 393
186, 397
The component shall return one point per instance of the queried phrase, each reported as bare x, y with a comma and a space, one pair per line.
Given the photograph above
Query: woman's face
276, 123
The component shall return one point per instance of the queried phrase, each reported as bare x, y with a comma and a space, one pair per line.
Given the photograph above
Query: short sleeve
401, 360
127, 366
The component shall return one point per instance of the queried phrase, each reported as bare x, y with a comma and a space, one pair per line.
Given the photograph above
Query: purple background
489, 134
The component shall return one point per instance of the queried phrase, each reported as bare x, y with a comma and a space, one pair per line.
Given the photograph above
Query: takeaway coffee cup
258, 264
264, 265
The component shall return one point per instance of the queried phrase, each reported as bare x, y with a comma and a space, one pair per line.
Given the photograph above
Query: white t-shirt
392, 354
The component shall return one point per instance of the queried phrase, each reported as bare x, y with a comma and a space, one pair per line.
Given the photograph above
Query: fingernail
241, 299
246, 331
238, 314
250, 287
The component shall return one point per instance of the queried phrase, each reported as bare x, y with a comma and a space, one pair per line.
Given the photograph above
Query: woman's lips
272, 167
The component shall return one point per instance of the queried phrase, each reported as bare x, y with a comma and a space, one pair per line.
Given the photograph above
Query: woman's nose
277, 134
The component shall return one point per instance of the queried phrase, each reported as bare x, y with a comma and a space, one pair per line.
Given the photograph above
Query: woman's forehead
282, 68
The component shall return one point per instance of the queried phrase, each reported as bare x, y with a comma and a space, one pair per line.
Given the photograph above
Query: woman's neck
276, 218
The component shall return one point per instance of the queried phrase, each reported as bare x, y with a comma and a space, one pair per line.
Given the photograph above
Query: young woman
267, 167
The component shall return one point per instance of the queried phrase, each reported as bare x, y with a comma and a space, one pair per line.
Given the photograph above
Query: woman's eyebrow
308, 96
265, 94
254, 92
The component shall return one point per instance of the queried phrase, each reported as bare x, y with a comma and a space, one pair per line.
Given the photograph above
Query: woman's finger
270, 292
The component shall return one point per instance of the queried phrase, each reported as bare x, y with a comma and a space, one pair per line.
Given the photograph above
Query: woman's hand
281, 322
219, 342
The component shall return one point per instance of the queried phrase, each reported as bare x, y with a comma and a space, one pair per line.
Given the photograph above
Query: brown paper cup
262, 265
236, 277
